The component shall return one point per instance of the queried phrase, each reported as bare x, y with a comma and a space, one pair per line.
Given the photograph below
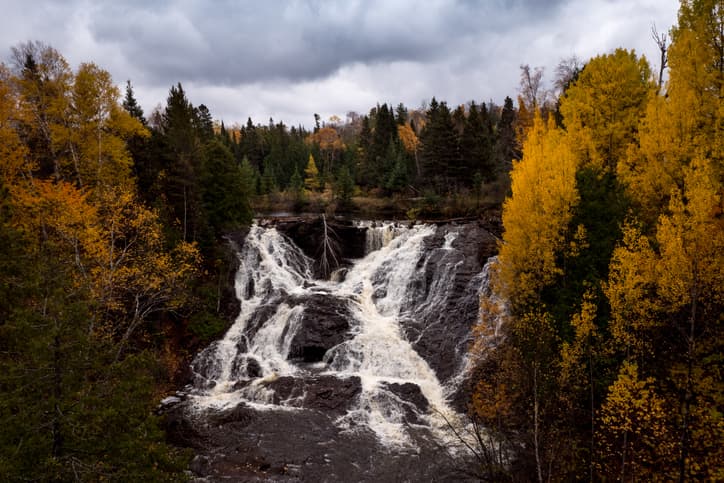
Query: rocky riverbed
353, 377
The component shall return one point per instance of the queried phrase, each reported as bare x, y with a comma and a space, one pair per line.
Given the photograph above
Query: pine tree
181, 183
439, 148
225, 195
476, 148
344, 188
131, 105
506, 147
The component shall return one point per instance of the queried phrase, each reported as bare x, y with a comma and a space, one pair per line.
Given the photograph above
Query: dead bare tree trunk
660, 40
328, 261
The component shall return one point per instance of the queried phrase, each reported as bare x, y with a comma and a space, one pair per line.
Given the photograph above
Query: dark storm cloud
291, 58
242, 42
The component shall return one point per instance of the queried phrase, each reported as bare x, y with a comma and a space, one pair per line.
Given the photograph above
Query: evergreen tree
476, 148
225, 194
296, 186
131, 105
506, 146
439, 148
203, 123
344, 188
398, 177
401, 114
384, 134
365, 172
180, 183
249, 177
268, 178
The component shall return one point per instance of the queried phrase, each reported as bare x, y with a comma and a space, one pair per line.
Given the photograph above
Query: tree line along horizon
608, 363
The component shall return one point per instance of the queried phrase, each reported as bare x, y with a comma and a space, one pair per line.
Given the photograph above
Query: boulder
326, 393
412, 395
409, 392
324, 324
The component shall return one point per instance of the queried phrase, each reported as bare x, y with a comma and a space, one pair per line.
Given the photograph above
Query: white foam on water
375, 288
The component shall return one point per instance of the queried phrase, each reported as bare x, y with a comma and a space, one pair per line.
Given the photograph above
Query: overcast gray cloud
291, 58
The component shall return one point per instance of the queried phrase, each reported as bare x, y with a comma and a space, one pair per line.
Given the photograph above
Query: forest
115, 264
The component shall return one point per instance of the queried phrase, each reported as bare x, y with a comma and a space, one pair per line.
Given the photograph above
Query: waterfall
382, 310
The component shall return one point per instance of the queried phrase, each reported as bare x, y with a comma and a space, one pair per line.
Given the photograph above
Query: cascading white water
379, 234
375, 291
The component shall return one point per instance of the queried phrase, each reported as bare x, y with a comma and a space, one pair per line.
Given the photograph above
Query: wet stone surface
243, 444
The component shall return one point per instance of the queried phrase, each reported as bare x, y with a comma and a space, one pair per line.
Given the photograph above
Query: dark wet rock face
410, 393
329, 394
444, 303
324, 324
414, 402
301, 445
348, 240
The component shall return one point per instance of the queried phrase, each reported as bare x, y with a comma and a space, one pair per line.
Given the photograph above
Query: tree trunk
536, 435
57, 449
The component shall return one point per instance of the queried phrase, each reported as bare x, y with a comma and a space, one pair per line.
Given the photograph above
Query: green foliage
344, 188
268, 180
476, 145
439, 154
398, 176
71, 412
249, 178
226, 201
207, 326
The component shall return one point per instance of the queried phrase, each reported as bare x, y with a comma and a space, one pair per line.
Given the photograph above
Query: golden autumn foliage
13, 153
408, 138
636, 346
603, 107
537, 214
575, 355
134, 274
691, 241
635, 442
88, 211
687, 122
631, 284
311, 175
93, 134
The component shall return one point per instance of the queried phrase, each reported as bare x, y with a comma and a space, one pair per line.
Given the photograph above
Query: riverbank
376, 205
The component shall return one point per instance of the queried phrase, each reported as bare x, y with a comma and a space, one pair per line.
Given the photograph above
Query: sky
289, 59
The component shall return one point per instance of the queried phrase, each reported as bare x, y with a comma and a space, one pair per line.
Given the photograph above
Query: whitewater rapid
375, 292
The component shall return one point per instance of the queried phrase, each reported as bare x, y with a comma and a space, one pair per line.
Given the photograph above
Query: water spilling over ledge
356, 375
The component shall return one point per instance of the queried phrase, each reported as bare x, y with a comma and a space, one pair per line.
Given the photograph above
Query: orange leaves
134, 270
14, 157
408, 138
327, 139
46, 206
